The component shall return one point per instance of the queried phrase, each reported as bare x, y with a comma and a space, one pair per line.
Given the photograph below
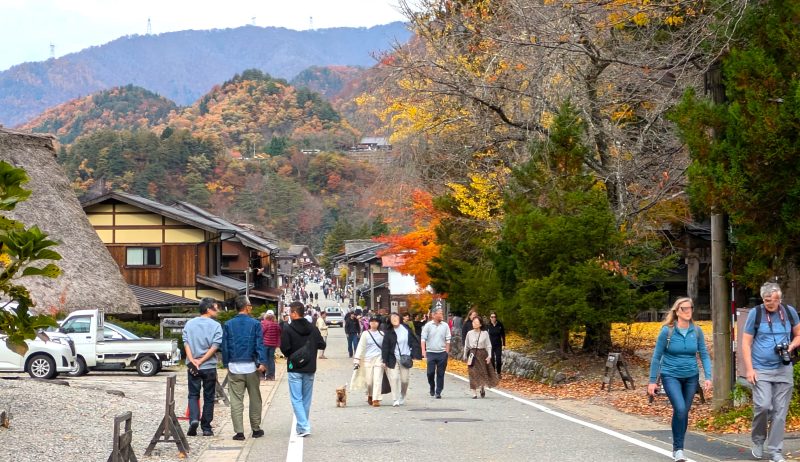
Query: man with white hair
771, 334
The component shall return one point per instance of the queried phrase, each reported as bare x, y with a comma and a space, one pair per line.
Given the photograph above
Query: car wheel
147, 366
42, 367
81, 370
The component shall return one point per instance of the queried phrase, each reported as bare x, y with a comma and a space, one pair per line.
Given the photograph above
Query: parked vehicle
114, 349
48, 355
335, 316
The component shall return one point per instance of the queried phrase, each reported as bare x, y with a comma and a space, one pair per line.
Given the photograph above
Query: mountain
184, 65
327, 80
120, 108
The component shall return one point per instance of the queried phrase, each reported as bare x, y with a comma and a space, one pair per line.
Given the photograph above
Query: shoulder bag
304, 355
404, 360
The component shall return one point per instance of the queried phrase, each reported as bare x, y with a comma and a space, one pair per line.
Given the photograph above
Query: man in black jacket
300, 341
351, 328
497, 335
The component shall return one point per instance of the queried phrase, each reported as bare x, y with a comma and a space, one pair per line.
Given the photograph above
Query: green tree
561, 259
21, 247
744, 152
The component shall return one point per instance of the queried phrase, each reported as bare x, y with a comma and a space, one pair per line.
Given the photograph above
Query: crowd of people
384, 345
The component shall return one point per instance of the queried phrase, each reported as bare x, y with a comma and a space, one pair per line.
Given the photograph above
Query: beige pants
398, 378
237, 384
373, 374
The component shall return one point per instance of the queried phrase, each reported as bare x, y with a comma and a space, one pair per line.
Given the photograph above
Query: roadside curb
268, 402
234, 453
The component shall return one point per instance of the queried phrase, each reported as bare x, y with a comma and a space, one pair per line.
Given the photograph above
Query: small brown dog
341, 396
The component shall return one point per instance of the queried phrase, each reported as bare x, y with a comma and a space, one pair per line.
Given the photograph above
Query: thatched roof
90, 278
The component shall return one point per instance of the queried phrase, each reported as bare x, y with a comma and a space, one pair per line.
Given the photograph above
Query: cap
270, 313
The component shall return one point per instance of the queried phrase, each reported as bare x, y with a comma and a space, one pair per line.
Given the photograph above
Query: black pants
208, 381
437, 364
497, 358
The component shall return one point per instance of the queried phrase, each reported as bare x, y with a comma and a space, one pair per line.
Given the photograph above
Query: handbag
404, 360
304, 355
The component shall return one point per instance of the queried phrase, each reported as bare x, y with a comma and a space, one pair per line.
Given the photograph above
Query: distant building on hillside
371, 143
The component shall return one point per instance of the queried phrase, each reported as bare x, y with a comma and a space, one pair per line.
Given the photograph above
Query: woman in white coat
369, 361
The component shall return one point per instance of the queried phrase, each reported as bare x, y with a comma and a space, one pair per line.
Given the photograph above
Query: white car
48, 355
334, 316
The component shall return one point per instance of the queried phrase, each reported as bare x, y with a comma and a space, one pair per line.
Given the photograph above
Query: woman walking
497, 336
674, 357
322, 326
369, 361
400, 347
478, 355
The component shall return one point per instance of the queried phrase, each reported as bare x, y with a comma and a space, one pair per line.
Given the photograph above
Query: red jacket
272, 333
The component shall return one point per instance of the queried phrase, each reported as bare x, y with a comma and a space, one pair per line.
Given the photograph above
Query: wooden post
220, 394
123, 451
720, 317
169, 431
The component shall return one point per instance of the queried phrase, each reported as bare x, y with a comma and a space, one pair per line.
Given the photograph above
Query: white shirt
402, 340
242, 367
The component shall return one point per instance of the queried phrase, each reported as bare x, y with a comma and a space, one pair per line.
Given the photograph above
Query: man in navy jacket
245, 357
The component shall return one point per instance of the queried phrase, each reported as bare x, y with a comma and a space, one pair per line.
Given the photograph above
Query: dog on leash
341, 396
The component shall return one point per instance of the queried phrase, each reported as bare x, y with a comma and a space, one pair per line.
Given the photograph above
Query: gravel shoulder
76, 422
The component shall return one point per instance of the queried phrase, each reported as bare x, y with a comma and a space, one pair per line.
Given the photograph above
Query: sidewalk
225, 449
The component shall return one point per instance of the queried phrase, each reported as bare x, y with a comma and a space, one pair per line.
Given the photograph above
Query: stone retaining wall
517, 364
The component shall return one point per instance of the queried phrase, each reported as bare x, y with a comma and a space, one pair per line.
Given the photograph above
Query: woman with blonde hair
675, 359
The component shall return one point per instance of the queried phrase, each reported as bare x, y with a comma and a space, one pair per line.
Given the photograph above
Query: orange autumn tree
417, 247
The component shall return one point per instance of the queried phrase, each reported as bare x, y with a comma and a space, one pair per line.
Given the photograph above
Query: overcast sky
28, 27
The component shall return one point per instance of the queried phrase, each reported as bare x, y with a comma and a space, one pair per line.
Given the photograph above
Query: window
77, 326
143, 256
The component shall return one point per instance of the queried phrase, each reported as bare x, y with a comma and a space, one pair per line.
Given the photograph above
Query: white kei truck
97, 350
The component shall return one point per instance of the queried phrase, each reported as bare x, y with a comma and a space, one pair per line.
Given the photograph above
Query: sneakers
193, 428
303, 434
396, 403
678, 456
438, 396
757, 450
239, 437
778, 457
401, 401
208, 433
258, 433
432, 393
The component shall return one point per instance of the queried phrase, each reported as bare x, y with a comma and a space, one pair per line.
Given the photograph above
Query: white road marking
626, 438
294, 453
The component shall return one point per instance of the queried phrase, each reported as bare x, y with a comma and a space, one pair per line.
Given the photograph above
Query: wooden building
183, 250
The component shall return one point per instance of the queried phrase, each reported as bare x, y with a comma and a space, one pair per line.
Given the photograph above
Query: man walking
435, 347
299, 343
352, 328
244, 356
272, 340
771, 332
497, 336
202, 337
322, 326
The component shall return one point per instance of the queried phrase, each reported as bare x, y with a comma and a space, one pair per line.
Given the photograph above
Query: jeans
270, 360
437, 364
301, 386
208, 381
352, 343
237, 384
680, 391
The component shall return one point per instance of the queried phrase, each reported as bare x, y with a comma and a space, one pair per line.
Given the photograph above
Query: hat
270, 313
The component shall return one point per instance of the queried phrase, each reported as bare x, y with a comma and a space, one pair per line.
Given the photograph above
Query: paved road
498, 428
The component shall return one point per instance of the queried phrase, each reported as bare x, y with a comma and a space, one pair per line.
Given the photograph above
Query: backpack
792, 319
304, 355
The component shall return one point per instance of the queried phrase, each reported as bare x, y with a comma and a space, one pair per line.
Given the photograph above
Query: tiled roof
150, 298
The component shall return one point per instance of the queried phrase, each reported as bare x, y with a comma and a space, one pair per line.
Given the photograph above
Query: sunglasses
686, 308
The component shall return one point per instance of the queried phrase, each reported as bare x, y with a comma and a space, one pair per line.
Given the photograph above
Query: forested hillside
237, 151
184, 65
122, 108
328, 81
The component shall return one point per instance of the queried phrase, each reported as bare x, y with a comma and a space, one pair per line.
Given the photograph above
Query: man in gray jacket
202, 337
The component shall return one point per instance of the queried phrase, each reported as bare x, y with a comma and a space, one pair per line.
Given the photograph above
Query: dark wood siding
177, 266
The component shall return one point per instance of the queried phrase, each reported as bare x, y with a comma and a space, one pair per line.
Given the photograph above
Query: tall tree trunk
598, 339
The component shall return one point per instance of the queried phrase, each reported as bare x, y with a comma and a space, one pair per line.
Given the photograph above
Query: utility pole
722, 376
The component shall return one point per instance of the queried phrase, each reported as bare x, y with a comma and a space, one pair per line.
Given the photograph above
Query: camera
783, 351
